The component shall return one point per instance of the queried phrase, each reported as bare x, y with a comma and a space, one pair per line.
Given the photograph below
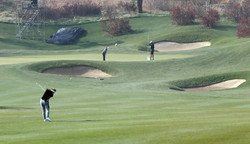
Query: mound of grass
42, 66
208, 80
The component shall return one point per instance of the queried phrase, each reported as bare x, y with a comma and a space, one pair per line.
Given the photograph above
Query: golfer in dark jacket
104, 52
45, 102
152, 49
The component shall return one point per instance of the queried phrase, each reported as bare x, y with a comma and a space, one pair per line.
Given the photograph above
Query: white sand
83, 71
220, 86
172, 46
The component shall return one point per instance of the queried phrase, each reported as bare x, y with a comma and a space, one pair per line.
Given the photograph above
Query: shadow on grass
13, 108
137, 32
225, 28
17, 42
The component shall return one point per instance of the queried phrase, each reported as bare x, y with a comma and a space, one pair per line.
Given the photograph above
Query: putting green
93, 57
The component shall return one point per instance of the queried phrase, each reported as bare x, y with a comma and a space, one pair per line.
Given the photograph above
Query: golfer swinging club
152, 49
45, 102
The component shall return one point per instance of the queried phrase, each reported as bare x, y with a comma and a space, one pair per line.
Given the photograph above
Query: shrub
86, 9
116, 26
50, 14
246, 8
128, 6
183, 15
244, 27
163, 5
6, 4
71, 10
234, 11
110, 11
211, 18
104, 25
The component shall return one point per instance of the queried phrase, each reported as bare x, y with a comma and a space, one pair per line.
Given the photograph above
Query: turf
138, 104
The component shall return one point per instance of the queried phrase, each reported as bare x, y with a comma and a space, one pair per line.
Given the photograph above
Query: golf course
142, 101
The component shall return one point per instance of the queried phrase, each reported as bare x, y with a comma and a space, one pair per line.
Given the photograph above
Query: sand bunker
83, 71
172, 46
220, 86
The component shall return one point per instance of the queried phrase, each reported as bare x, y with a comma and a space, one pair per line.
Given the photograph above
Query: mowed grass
136, 105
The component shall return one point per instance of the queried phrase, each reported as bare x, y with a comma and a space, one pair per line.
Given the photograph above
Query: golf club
40, 86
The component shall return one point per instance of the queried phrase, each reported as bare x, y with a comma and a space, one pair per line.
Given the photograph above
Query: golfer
104, 52
152, 49
45, 102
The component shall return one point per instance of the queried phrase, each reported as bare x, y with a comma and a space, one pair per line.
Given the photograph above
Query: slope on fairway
82, 71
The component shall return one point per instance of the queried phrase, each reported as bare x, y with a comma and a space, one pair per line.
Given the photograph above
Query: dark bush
128, 6
183, 15
234, 11
72, 10
110, 11
116, 26
50, 15
104, 25
246, 8
163, 5
86, 9
211, 18
244, 27
6, 4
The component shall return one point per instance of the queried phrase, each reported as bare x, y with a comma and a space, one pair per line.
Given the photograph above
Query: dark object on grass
66, 36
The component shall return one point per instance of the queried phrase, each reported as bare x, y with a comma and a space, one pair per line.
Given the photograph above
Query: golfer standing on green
45, 102
104, 52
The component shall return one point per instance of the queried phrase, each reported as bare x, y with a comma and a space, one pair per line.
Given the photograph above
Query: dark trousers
152, 55
103, 56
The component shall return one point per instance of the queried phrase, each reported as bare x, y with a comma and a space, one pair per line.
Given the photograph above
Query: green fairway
141, 103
